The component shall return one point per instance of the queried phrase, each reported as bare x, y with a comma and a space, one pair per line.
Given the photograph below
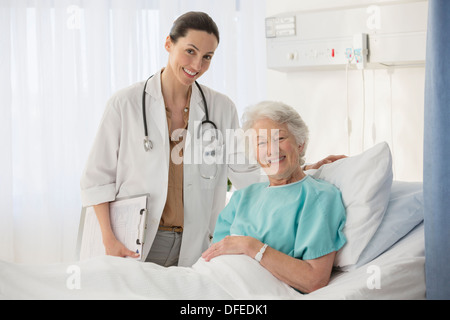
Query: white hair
280, 113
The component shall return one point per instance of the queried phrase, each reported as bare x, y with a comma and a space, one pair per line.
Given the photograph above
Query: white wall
393, 111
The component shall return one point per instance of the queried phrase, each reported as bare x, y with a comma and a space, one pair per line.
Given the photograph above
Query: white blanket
401, 270
227, 277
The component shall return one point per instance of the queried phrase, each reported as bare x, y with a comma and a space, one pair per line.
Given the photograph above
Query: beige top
173, 213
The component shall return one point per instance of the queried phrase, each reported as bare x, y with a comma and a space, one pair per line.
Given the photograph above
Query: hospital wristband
260, 254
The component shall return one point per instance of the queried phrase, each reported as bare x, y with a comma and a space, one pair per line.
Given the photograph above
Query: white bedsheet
402, 276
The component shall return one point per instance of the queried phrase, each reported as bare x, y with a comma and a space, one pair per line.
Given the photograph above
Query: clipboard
128, 222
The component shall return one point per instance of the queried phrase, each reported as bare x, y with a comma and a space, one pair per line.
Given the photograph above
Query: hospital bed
383, 259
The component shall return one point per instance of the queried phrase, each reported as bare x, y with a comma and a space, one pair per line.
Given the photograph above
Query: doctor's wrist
108, 238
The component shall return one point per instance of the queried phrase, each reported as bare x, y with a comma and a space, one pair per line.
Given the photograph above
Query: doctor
185, 198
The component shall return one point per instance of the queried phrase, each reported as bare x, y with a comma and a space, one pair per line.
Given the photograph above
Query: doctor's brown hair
193, 20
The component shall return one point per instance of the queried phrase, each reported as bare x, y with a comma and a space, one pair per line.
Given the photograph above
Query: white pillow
403, 214
365, 183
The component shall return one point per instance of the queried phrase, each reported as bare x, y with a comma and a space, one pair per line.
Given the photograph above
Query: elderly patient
294, 220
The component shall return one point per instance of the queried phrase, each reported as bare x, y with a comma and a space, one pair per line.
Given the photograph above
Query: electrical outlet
360, 50
349, 54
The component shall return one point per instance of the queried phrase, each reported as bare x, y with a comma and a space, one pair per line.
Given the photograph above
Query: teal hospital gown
304, 220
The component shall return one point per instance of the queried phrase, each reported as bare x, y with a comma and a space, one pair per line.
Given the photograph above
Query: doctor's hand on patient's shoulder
327, 160
233, 245
115, 248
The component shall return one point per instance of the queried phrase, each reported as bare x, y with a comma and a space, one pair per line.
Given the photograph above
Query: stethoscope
148, 144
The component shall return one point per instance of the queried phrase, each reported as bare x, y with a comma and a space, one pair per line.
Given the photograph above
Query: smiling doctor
184, 200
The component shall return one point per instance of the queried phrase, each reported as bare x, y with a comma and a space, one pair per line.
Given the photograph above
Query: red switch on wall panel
332, 53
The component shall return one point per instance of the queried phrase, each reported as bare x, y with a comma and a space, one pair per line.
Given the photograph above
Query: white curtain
60, 62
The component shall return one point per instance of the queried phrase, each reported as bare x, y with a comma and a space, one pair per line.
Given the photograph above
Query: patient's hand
327, 160
233, 245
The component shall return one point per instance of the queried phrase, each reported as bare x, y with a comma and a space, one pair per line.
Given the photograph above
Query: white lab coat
118, 165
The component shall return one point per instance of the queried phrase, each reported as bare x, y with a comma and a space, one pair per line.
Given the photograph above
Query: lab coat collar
155, 107
197, 104
154, 86
196, 115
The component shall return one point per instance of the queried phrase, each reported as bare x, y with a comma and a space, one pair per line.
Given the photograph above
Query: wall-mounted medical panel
392, 34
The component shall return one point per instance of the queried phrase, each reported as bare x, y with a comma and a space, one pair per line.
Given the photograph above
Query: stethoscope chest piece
148, 145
